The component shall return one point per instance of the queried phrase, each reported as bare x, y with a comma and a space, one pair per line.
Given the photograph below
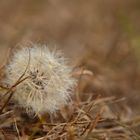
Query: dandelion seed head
49, 83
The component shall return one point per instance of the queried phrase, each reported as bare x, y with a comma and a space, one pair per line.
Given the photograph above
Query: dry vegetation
89, 116
102, 39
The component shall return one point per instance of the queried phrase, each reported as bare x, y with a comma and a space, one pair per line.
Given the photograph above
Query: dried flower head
49, 81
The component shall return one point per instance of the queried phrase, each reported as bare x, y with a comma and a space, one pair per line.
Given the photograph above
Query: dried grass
80, 120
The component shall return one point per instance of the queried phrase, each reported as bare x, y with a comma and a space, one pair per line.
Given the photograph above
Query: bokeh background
101, 36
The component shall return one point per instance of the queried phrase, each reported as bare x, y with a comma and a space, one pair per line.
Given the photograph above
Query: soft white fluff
49, 84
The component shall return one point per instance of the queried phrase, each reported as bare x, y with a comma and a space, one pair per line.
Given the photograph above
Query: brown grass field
102, 41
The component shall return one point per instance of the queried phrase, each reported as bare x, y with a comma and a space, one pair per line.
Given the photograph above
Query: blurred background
102, 36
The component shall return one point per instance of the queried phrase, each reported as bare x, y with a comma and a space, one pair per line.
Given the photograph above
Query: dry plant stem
17, 129
11, 89
4, 115
132, 131
11, 92
91, 125
134, 122
3, 87
78, 88
92, 104
66, 123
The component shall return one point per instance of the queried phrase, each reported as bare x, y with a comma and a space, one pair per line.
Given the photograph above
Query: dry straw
49, 82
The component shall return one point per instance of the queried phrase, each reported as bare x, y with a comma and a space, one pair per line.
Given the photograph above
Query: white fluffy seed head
49, 83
